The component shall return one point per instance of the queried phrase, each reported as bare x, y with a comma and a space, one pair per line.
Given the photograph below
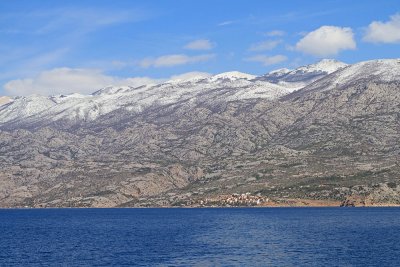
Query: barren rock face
336, 139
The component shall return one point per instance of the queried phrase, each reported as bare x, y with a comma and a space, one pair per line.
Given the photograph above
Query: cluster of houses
235, 200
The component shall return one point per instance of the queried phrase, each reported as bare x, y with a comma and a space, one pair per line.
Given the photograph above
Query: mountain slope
336, 139
356, 108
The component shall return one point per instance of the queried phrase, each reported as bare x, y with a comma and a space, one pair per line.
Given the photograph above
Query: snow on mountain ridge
229, 86
324, 65
382, 70
280, 71
193, 76
232, 75
304, 75
327, 66
63, 98
109, 90
135, 99
23, 107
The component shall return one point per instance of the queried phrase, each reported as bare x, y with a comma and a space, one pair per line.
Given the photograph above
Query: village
233, 200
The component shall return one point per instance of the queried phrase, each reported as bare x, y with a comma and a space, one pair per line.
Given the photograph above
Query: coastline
279, 203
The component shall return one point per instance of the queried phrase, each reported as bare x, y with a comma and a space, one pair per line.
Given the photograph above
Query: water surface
201, 237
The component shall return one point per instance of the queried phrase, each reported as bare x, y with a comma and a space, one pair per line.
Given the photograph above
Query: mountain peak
325, 65
303, 75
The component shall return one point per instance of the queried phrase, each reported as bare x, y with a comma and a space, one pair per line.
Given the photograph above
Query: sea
200, 237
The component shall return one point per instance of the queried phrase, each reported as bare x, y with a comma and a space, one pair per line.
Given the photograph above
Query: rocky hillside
324, 132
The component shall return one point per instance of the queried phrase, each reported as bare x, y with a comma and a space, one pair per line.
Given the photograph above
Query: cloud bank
68, 80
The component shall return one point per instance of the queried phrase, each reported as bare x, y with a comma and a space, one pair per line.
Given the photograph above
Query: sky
62, 47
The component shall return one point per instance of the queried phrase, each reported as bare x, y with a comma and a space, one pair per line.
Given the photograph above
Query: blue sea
200, 237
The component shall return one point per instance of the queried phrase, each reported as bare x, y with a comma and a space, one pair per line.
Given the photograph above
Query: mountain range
328, 131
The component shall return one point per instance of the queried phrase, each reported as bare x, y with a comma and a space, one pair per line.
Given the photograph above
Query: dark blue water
201, 237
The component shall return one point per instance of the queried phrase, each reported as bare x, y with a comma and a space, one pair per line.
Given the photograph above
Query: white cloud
67, 80
201, 44
267, 60
266, 45
384, 32
275, 33
327, 41
225, 23
174, 60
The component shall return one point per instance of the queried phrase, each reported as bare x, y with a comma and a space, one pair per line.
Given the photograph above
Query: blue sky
51, 47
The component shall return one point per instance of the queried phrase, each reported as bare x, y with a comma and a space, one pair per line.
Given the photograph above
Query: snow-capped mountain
384, 70
158, 144
324, 66
24, 107
303, 75
229, 86
217, 89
